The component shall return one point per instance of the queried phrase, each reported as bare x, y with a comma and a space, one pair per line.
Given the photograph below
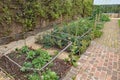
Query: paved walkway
111, 36
102, 59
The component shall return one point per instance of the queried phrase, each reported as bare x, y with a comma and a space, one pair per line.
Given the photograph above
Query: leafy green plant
25, 66
83, 46
49, 75
100, 26
37, 59
31, 54
34, 76
104, 18
24, 49
97, 33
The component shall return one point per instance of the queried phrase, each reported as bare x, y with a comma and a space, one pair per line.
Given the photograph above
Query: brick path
111, 36
101, 61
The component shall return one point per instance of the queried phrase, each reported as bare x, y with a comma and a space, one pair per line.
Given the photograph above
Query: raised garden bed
30, 59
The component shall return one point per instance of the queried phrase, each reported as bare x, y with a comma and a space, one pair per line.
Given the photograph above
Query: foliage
28, 11
100, 26
37, 59
7, 17
119, 23
34, 76
111, 9
24, 49
31, 54
84, 45
104, 18
97, 33
49, 75
59, 37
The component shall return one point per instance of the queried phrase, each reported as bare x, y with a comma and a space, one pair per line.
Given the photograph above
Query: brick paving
101, 61
111, 36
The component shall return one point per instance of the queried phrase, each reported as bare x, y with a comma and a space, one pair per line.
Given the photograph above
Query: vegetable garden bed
80, 33
30, 60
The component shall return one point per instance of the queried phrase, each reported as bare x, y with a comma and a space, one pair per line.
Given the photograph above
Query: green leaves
27, 12
42, 59
31, 54
24, 49
34, 76
25, 66
49, 75
57, 38
37, 59
97, 33
104, 18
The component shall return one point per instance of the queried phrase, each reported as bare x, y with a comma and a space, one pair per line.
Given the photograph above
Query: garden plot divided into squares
40, 59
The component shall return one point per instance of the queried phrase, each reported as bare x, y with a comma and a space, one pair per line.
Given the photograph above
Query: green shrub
27, 12
104, 18
97, 33
100, 26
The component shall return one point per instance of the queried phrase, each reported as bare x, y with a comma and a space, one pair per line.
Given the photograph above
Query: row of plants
60, 36
36, 59
27, 12
111, 8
